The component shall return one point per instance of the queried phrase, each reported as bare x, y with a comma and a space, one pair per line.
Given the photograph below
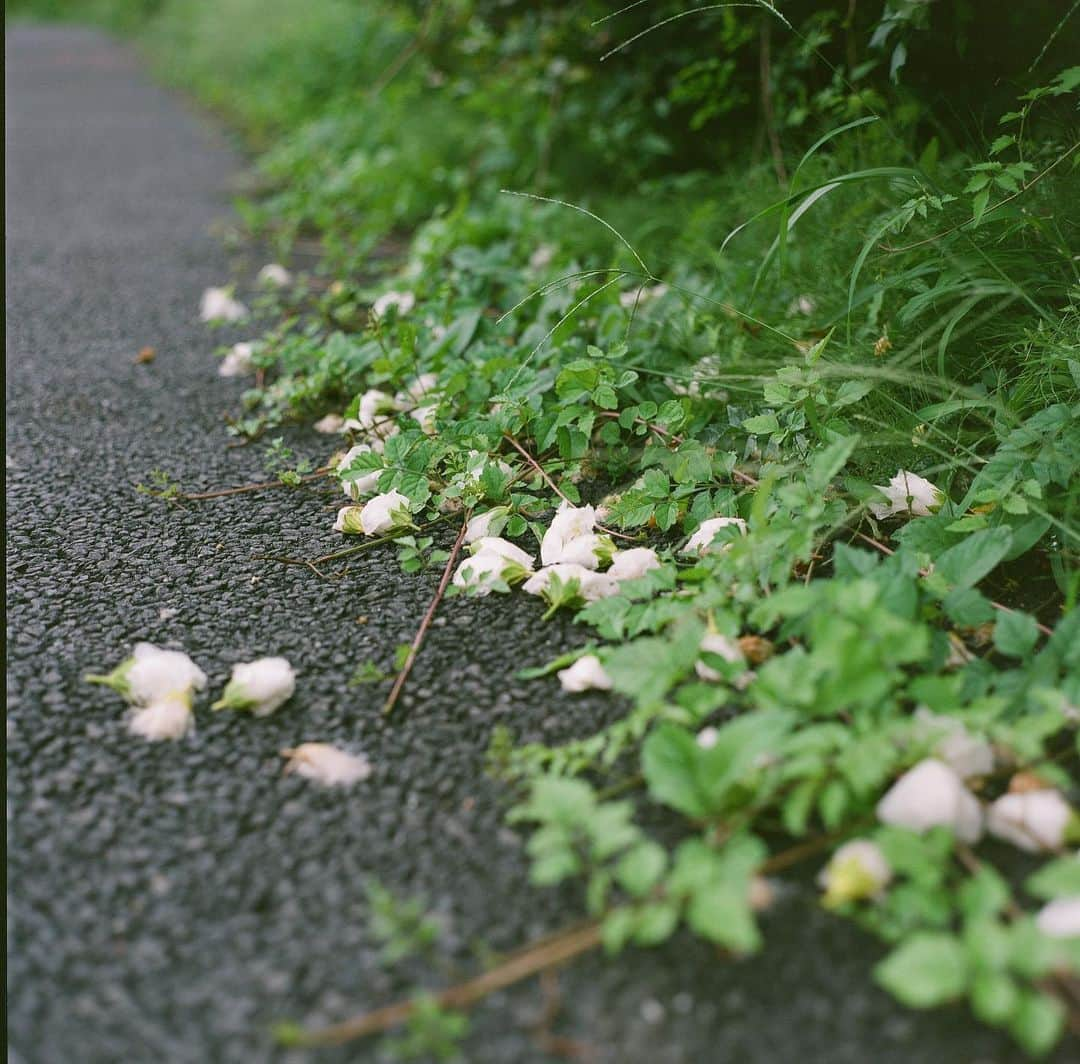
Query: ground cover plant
763, 359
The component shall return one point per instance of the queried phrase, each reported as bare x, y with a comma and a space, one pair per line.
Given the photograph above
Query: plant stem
262, 486
418, 639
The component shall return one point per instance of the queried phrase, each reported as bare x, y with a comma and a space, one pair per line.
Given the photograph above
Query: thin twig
543, 955
555, 487
418, 639
261, 486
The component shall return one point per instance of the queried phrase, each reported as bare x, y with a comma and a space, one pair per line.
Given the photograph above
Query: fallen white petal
585, 674
327, 764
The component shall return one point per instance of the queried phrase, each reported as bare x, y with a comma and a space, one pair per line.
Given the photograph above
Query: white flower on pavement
969, 755
239, 361
402, 302
503, 547
218, 304
1032, 820
358, 484
327, 764
330, 424
586, 674
1060, 918
489, 523
701, 542
481, 573
258, 686
591, 586
908, 494
348, 521
634, 563
385, 512
274, 275
152, 675
374, 406
169, 718
571, 523
929, 795
857, 870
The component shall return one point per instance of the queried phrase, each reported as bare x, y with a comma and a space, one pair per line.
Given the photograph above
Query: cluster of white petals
218, 304
239, 361
274, 275
357, 485
402, 302
493, 560
330, 424
701, 542
857, 870
489, 523
424, 416
908, 494
1032, 820
586, 674
259, 686
326, 764
570, 537
968, 755
591, 585
1060, 918
634, 563
169, 718
384, 512
929, 795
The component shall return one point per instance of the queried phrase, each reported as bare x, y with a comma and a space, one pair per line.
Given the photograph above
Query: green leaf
761, 424
1015, 634
1038, 1023
1058, 879
965, 564
639, 869
927, 969
656, 923
669, 761
978, 206
994, 997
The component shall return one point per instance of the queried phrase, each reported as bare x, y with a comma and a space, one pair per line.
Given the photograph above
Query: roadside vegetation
755, 332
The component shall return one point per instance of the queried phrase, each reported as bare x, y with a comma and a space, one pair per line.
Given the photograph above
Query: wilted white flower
384, 512
330, 424
356, 485
701, 541
857, 870
239, 361
480, 572
722, 647
932, 795
504, 548
908, 494
585, 674
218, 304
327, 764
169, 718
633, 563
489, 523
374, 406
274, 275
421, 386
572, 523
1060, 918
542, 256
153, 675
259, 686
348, 521
403, 302
968, 755
1032, 820
592, 586
424, 416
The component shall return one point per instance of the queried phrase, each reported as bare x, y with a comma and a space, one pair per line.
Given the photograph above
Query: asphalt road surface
170, 902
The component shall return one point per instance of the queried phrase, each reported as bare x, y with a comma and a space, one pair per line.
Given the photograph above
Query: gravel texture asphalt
169, 902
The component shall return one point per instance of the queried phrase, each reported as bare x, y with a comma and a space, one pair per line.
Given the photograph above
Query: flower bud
258, 686
857, 870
